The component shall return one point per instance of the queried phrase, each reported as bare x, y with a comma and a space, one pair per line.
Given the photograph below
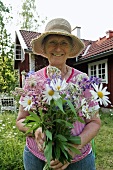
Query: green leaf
75, 140
57, 152
48, 151
46, 167
30, 124
80, 120
32, 128
63, 121
41, 114
48, 134
28, 131
58, 103
73, 149
71, 106
29, 119
61, 137
36, 117
64, 152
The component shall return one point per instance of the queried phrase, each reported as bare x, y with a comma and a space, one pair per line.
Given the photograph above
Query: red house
95, 60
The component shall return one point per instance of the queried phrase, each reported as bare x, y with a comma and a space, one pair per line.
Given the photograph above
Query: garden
12, 142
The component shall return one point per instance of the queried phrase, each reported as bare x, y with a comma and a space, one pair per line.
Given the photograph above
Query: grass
12, 143
104, 143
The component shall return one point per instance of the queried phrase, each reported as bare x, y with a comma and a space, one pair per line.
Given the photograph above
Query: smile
57, 55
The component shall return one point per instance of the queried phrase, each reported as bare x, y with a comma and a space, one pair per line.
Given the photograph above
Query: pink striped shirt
78, 127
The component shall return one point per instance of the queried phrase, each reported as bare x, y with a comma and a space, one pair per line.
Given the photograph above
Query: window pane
91, 73
91, 67
99, 76
99, 66
95, 73
103, 71
103, 65
103, 76
94, 67
99, 71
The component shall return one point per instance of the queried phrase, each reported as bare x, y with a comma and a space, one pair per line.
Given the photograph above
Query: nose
58, 47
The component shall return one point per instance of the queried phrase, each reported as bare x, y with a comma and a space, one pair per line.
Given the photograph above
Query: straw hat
58, 26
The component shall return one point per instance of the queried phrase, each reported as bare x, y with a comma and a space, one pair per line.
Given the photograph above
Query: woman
57, 44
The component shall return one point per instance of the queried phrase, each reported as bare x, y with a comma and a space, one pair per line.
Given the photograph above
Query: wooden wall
24, 66
40, 62
110, 77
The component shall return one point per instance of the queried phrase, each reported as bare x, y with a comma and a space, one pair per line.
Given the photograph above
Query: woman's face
57, 49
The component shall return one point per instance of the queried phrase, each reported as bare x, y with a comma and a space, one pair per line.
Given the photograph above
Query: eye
53, 43
64, 43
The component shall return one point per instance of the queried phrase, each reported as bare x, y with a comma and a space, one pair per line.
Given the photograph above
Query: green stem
46, 167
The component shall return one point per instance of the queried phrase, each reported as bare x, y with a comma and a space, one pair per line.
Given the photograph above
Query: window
99, 69
19, 52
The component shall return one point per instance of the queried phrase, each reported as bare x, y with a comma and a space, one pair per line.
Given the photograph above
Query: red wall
110, 77
24, 66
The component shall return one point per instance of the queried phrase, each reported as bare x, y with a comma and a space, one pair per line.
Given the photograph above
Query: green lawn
104, 143
12, 143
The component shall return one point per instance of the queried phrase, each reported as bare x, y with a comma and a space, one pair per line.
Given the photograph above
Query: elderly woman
57, 44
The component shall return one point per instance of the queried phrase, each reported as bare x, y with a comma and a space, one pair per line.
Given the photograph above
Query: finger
56, 165
59, 165
65, 166
43, 136
40, 147
54, 162
39, 135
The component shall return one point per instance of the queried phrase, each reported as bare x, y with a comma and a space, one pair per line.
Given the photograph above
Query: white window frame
19, 53
97, 73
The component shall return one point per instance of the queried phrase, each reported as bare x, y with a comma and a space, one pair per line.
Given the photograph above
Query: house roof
92, 48
28, 36
103, 45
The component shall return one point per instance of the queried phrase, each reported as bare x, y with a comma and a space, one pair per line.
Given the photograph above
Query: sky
95, 17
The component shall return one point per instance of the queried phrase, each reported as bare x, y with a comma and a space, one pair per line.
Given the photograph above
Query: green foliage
8, 79
104, 143
12, 142
30, 20
56, 122
3, 8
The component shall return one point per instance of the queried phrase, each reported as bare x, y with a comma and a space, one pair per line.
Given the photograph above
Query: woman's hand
55, 164
40, 137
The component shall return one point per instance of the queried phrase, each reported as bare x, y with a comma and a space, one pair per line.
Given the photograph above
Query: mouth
57, 55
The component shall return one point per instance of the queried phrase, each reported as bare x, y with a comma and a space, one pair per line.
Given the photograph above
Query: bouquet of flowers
55, 105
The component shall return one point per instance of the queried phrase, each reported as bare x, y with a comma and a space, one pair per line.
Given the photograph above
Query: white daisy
27, 103
58, 84
100, 94
50, 94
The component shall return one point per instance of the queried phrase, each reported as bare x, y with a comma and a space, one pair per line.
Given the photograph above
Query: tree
30, 20
7, 74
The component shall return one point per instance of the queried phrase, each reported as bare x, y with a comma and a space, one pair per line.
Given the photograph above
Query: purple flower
30, 73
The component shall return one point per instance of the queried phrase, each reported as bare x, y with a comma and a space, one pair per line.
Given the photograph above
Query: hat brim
77, 48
